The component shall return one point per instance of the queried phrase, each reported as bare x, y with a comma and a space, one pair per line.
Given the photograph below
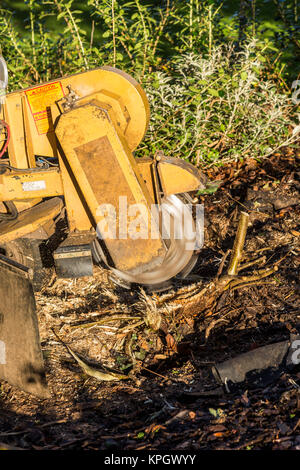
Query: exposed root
197, 299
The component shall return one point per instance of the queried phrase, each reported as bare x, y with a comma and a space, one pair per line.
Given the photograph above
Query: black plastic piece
73, 258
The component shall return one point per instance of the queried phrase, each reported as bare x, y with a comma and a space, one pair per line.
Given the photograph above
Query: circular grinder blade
180, 257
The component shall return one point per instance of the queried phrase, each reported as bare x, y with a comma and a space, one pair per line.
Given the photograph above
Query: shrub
218, 107
211, 101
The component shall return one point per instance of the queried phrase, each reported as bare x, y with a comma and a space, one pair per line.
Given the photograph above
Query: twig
255, 277
13, 39
252, 283
145, 37
211, 326
261, 260
161, 26
245, 207
107, 318
71, 24
113, 31
222, 264
92, 34
155, 373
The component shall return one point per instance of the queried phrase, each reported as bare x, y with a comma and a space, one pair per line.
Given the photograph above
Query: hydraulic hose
12, 212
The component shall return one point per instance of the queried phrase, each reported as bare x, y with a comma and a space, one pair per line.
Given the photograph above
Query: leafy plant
212, 99
217, 108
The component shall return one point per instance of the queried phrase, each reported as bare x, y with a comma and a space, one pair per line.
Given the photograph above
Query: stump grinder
66, 149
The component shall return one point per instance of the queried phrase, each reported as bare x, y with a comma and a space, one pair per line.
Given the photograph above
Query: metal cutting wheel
179, 260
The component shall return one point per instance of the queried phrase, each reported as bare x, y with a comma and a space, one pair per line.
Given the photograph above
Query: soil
171, 400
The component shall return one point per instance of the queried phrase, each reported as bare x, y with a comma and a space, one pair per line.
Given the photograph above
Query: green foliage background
218, 74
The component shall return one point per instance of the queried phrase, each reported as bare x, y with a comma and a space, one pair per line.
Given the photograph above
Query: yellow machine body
91, 122
71, 152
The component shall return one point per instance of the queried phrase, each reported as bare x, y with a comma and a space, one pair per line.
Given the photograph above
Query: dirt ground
168, 342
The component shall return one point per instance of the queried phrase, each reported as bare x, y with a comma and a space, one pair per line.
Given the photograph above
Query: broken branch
238, 247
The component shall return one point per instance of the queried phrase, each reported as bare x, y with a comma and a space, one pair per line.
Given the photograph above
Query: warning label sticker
40, 100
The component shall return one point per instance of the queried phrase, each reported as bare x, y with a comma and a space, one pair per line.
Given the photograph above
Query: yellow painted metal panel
105, 169
108, 80
77, 209
14, 117
177, 176
30, 220
40, 184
